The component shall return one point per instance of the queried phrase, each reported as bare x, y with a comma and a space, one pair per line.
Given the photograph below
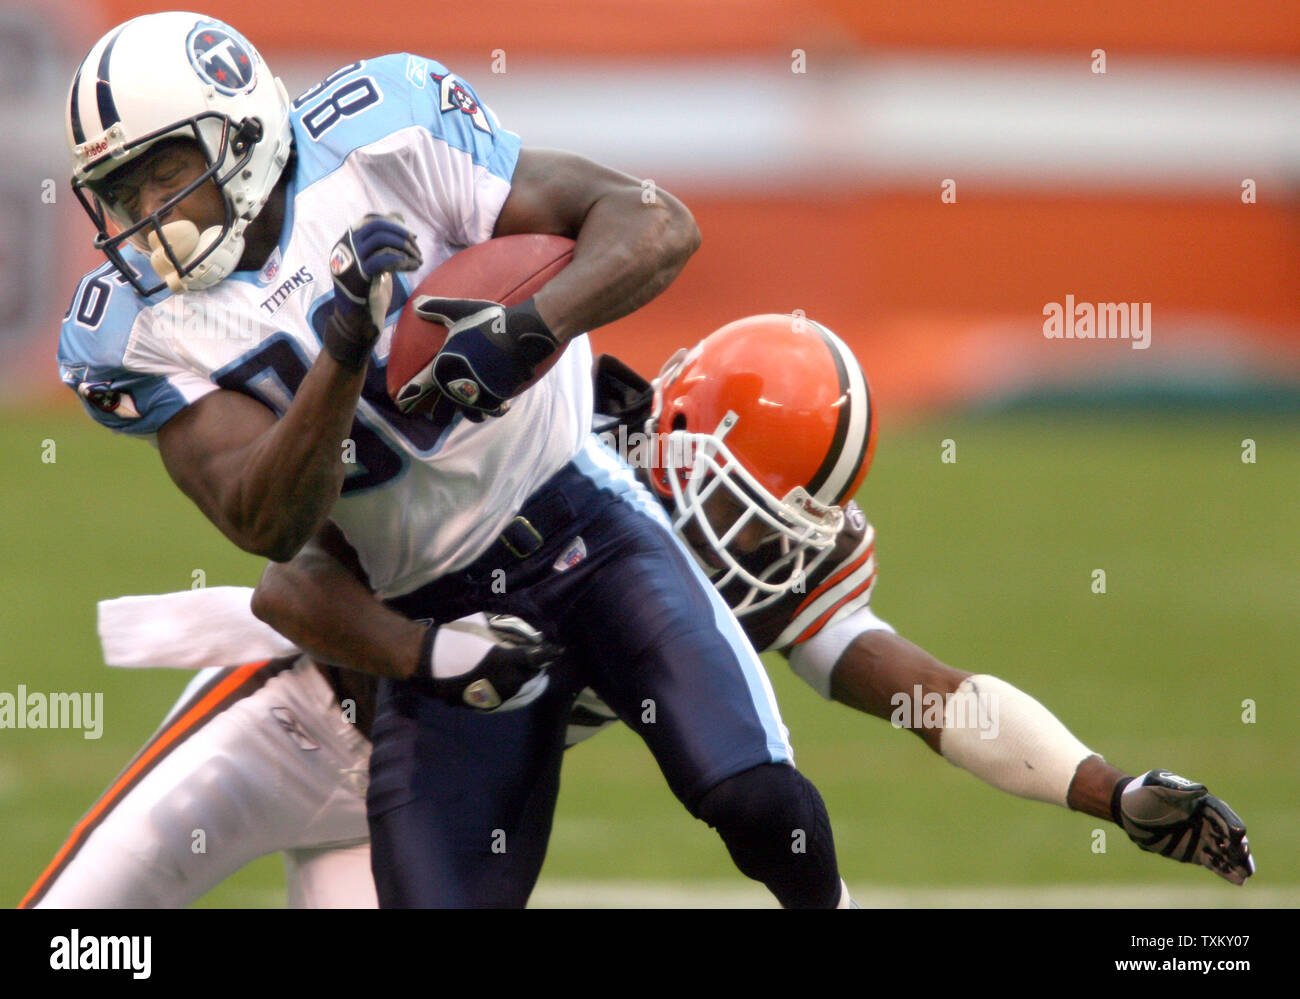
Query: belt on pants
550, 511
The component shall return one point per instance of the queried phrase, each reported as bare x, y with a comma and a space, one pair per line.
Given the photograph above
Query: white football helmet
168, 76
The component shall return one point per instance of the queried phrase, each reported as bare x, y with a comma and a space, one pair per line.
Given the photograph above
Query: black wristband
348, 341
535, 339
1120, 784
424, 668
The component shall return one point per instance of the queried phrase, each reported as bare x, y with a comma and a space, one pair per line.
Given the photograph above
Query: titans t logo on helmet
222, 58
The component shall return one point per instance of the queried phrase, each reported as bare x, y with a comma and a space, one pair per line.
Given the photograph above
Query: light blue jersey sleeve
363, 105
92, 351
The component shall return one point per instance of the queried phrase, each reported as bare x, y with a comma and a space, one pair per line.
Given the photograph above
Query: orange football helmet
775, 410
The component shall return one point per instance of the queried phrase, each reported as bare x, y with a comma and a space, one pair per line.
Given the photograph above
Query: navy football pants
461, 802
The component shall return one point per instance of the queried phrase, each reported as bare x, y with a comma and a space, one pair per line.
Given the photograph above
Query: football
508, 270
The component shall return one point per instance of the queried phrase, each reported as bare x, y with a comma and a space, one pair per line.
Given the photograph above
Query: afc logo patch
222, 58
456, 96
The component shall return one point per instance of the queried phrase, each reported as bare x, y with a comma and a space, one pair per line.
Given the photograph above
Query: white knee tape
1007, 739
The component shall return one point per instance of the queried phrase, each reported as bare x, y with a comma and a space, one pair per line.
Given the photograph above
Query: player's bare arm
1037, 757
320, 600
879, 665
267, 484
630, 244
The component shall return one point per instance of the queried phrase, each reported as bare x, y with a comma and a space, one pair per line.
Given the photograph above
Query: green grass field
986, 562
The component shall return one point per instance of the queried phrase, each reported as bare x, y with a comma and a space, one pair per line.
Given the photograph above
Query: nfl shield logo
271, 268
571, 556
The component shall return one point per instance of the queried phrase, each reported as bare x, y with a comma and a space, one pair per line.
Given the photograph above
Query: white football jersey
394, 134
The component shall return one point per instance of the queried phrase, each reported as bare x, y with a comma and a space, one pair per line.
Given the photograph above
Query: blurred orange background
942, 301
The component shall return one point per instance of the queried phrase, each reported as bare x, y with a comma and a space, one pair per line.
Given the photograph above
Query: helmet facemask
700, 467
764, 430
182, 256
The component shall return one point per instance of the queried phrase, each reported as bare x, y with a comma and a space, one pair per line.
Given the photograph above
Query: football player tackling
214, 332
259, 253
757, 439
803, 584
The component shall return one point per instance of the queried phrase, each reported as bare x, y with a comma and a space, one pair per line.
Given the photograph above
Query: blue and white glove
490, 353
361, 265
489, 663
1176, 817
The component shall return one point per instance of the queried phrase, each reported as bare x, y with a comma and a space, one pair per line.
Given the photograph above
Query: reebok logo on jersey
294, 727
417, 70
571, 556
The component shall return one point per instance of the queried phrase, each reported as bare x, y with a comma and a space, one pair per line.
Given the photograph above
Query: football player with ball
259, 253
798, 569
